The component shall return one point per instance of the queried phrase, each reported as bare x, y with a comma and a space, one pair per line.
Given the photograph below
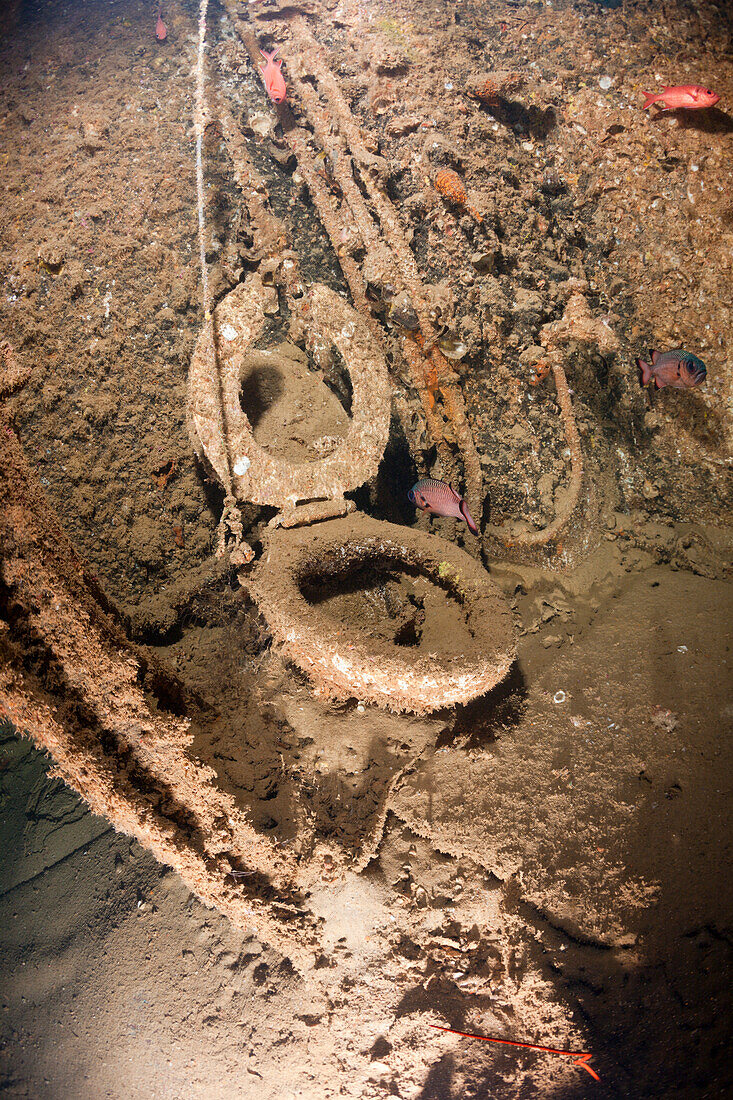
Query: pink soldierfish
685, 95
438, 498
161, 31
273, 78
679, 369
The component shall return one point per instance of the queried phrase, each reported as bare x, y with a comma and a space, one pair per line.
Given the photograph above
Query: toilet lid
220, 429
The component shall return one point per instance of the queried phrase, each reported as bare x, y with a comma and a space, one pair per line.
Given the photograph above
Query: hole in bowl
394, 604
261, 389
294, 413
336, 376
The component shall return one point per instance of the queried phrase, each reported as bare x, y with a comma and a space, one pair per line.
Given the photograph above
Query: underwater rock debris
491, 88
270, 236
114, 721
12, 375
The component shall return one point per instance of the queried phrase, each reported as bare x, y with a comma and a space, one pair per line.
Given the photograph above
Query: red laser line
580, 1058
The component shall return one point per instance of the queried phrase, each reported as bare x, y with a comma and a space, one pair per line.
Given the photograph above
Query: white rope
199, 127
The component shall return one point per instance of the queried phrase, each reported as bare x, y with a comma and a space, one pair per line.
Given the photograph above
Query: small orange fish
449, 184
161, 31
273, 78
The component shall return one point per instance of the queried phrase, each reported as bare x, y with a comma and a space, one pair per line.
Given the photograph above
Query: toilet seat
327, 320
337, 664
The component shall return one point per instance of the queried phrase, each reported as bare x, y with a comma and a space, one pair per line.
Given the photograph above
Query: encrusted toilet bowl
301, 583
301, 568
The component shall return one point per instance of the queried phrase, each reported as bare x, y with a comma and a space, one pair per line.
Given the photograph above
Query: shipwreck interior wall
323, 789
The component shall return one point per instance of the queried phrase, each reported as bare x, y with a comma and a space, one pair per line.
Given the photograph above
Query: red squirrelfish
161, 31
679, 369
273, 78
685, 95
438, 498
